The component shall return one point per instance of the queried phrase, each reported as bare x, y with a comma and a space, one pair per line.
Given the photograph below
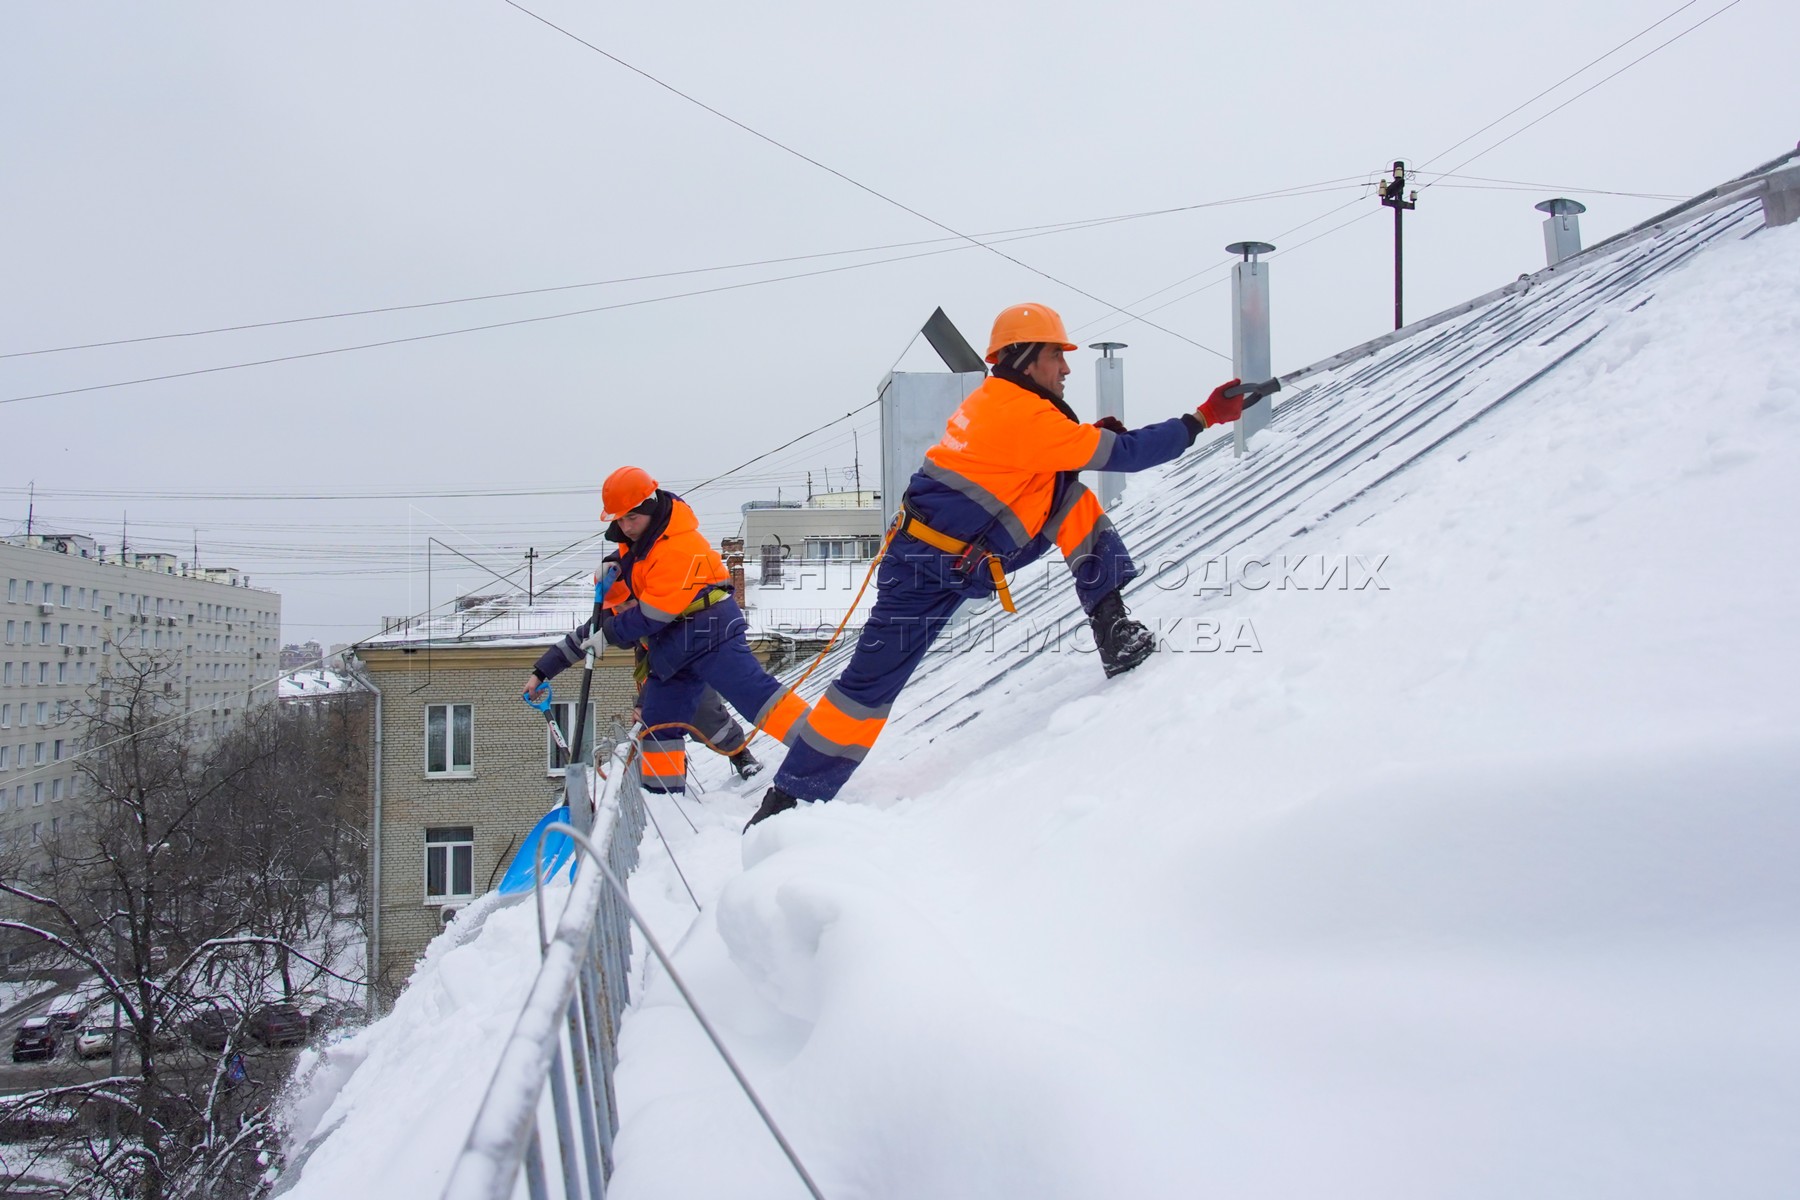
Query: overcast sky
178, 167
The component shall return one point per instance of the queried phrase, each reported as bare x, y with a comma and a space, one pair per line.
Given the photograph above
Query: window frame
446, 840
451, 769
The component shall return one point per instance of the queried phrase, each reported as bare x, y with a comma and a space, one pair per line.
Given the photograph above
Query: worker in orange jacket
673, 598
996, 493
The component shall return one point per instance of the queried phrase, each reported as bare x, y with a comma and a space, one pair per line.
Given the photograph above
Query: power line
422, 337
1030, 230
1578, 95
443, 333
886, 199
1526, 185
1221, 265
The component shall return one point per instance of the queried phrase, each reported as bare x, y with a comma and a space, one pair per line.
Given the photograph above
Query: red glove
1112, 424
1218, 408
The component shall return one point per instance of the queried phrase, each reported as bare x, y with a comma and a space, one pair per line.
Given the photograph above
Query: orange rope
807, 674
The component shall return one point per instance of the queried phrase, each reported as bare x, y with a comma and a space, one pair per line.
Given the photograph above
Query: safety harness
914, 528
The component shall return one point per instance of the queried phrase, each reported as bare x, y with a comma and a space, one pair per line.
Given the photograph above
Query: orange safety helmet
1027, 323
624, 490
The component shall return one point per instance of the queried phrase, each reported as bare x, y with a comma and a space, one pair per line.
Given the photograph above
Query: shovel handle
1255, 391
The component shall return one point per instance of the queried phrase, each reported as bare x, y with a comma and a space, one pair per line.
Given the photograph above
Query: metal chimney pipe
1781, 197
1562, 228
1109, 401
1250, 333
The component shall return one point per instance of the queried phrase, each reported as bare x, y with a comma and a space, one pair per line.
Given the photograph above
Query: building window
564, 712
62, 672
12, 591
43, 672
55, 790
28, 590
12, 632
81, 598
450, 863
37, 792
449, 739
62, 634
65, 595
5, 762
5, 719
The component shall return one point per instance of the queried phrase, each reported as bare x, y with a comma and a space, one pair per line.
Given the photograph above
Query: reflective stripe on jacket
994, 476
664, 576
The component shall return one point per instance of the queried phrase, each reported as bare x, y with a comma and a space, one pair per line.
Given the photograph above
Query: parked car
210, 1027
66, 1014
278, 1025
37, 1038
333, 1015
92, 1041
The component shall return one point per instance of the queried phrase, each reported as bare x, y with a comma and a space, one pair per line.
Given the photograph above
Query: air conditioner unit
447, 914
45, 610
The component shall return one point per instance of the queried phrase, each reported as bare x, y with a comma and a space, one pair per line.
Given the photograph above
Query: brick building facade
465, 768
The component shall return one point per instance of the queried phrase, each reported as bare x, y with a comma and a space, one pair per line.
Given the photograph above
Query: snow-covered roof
496, 621
313, 682
810, 600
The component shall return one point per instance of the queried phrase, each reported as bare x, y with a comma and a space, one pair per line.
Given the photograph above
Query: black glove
1112, 425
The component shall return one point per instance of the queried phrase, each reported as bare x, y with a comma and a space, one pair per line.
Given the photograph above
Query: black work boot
774, 801
745, 764
1123, 642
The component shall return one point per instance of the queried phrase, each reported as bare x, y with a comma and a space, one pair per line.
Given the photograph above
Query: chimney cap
1107, 348
1250, 249
1560, 206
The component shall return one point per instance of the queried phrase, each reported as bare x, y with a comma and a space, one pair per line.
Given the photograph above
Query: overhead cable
1017, 233
886, 199
1584, 91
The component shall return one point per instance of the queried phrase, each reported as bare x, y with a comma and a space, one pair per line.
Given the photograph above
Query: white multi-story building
66, 612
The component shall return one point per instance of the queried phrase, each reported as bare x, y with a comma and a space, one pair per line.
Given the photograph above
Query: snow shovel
559, 849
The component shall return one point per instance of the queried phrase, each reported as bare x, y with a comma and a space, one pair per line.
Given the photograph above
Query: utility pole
1393, 195
856, 451
531, 575
31, 508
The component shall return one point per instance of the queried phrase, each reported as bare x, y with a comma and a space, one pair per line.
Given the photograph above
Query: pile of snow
1477, 883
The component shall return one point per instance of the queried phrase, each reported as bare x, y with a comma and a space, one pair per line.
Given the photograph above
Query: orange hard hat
624, 490
1027, 323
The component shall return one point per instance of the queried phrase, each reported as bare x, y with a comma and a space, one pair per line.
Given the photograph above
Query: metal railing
567, 1032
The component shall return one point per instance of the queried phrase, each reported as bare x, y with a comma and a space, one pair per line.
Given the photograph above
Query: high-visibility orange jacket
663, 572
1000, 470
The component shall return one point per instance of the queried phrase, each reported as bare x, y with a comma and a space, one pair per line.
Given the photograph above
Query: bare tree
197, 887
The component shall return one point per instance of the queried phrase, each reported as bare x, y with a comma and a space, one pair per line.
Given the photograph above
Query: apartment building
67, 611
